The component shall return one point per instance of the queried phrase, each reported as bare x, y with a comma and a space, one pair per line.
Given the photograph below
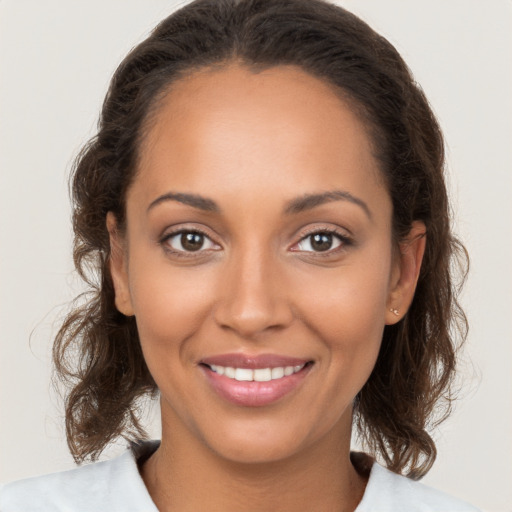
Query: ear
406, 271
118, 265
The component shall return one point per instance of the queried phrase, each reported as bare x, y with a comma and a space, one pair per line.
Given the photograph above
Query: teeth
288, 370
243, 374
263, 374
277, 373
219, 369
258, 375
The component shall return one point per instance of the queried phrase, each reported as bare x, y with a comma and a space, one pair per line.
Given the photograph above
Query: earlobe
403, 285
118, 268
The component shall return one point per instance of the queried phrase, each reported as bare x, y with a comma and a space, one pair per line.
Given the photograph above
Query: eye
187, 241
322, 241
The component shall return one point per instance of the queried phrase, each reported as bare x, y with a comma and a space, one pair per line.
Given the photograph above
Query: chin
266, 441
251, 452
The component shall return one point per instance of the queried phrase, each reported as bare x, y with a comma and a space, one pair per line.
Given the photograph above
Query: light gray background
56, 58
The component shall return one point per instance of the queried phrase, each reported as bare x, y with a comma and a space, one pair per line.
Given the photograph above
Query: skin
252, 142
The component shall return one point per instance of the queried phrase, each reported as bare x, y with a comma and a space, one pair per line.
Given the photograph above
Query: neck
184, 476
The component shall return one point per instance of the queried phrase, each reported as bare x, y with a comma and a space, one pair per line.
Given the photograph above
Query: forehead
281, 126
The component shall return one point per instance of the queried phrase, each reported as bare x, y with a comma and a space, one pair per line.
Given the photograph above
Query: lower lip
252, 393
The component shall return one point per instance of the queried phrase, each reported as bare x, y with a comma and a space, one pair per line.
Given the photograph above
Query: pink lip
253, 394
252, 362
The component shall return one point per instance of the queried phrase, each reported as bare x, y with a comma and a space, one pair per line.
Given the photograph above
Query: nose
254, 297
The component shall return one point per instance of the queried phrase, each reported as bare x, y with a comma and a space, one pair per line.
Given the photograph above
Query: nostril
251, 316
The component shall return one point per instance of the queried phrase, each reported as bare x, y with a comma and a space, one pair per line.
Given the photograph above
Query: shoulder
111, 486
388, 492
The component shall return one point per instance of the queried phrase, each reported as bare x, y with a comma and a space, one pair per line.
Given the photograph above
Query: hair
97, 351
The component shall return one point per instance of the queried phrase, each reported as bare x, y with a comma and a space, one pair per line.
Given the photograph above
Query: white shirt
116, 486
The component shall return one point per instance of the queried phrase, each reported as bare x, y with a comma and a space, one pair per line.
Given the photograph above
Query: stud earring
394, 311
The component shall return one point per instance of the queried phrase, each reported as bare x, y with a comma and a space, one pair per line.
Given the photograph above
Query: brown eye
321, 241
187, 241
191, 241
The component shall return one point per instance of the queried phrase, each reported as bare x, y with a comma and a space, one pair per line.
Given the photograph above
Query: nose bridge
252, 296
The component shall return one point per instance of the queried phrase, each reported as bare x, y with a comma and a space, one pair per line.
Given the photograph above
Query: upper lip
253, 361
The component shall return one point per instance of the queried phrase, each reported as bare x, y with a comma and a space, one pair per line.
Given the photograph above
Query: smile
258, 374
254, 381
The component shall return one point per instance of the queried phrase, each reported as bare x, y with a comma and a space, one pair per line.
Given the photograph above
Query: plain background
56, 58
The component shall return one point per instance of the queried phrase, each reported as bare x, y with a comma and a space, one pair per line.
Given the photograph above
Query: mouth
254, 381
258, 374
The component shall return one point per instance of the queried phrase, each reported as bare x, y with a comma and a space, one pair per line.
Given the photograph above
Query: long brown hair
97, 350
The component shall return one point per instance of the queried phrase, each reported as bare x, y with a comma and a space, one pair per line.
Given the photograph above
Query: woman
263, 222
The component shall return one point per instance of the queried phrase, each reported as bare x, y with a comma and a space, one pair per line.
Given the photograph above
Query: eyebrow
292, 207
195, 200
309, 201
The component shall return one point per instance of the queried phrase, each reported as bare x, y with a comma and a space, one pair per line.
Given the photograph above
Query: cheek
352, 330
348, 303
170, 305
347, 310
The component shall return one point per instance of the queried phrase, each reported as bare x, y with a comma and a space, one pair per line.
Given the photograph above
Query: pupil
192, 241
322, 241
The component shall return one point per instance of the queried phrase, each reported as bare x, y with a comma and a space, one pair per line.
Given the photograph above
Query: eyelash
172, 234
345, 240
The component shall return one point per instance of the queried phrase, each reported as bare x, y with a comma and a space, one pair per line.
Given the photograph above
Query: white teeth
277, 373
263, 374
243, 374
288, 370
257, 375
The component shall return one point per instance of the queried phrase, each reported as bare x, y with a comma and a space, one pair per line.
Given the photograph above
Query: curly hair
97, 350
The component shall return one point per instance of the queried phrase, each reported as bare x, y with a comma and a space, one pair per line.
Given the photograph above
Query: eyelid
344, 238
342, 235
167, 235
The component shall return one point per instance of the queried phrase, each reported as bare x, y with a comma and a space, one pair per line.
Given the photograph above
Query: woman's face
258, 246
